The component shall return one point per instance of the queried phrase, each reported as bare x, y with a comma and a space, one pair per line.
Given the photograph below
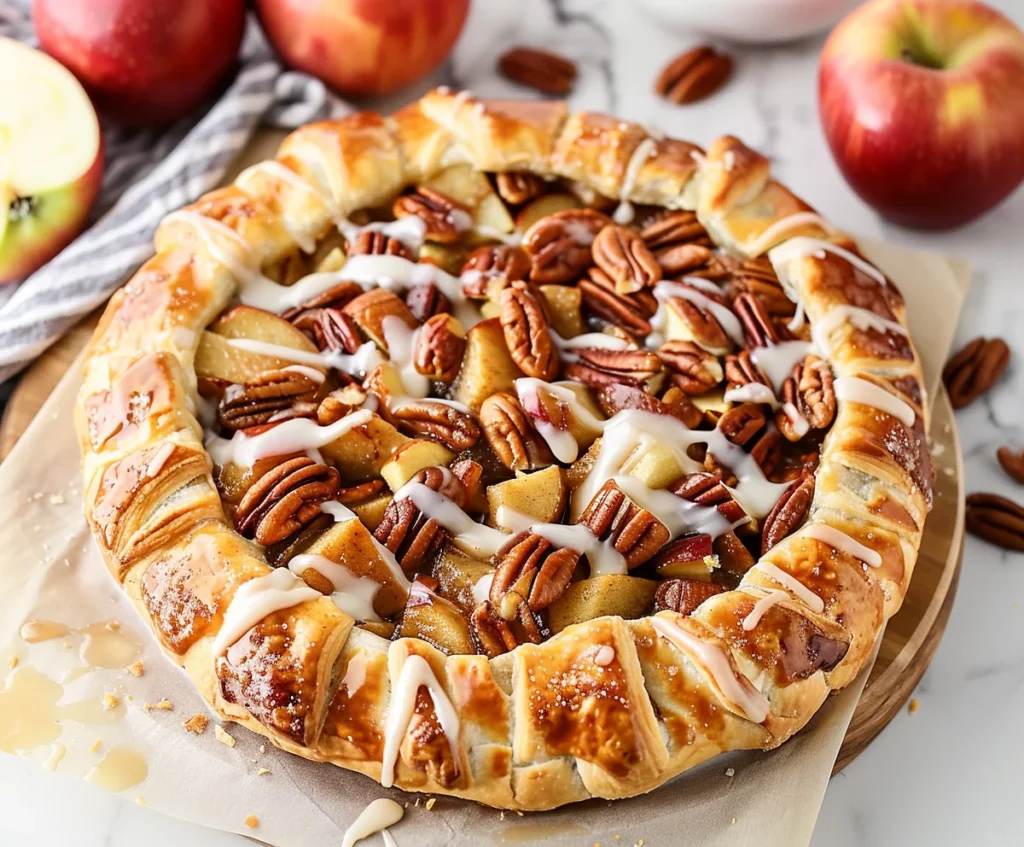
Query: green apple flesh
51, 159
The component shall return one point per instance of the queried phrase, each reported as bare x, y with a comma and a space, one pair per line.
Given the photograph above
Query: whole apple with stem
922, 103
143, 62
51, 159
363, 47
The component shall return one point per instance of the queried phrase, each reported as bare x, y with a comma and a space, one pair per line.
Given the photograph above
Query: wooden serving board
910, 639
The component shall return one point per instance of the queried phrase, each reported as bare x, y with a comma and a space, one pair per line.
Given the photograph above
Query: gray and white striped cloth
148, 174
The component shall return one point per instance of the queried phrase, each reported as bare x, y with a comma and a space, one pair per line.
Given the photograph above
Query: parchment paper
52, 571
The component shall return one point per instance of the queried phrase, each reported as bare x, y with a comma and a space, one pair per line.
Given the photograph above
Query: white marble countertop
942, 776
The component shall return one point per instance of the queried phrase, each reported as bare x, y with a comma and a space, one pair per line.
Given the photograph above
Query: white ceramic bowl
750, 21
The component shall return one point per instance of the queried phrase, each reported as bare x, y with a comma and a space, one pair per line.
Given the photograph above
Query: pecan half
1012, 463
693, 369
684, 595
491, 633
622, 254
673, 229
285, 499
271, 393
517, 187
684, 259
339, 403
407, 532
370, 309
330, 329
634, 532
444, 217
746, 426
975, 369
426, 300
439, 349
629, 312
810, 391
559, 245
507, 428
542, 70
373, 243
757, 323
740, 370
757, 277
490, 268
699, 321
360, 492
600, 366
996, 519
532, 571
693, 75
524, 323
437, 421
789, 512
706, 489
336, 297
617, 397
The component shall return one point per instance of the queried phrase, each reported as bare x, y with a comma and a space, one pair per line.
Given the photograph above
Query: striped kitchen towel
148, 174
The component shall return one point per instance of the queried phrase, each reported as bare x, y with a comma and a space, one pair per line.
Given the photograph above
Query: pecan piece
532, 571
444, 217
997, 520
335, 298
285, 499
490, 268
616, 397
698, 317
746, 426
622, 254
426, 300
516, 444
492, 634
789, 513
437, 421
975, 369
757, 277
684, 259
600, 366
542, 70
629, 312
559, 245
339, 403
518, 187
809, 390
673, 229
524, 323
693, 369
693, 75
268, 396
439, 348
1012, 463
406, 531
372, 243
706, 489
684, 595
634, 532
360, 492
757, 323
740, 370
330, 329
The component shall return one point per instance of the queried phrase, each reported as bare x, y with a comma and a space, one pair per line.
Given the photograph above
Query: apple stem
21, 208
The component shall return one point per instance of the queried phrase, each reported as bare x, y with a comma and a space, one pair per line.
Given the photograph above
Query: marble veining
947, 775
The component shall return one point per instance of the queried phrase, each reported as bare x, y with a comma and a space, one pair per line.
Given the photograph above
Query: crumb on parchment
222, 736
252, 821
430, 803
164, 705
135, 669
110, 702
913, 705
197, 724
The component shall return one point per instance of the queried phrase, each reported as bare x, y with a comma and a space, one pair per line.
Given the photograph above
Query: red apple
922, 103
144, 62
51, 159
363, 46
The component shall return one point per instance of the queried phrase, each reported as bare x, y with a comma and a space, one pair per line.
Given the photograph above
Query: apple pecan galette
502, 452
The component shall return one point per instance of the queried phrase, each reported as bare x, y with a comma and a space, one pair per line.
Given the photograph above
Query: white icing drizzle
564, 447
305, 240
856, 390
761, 606
799, 318
802, 245
843, 543
783, 225
602, 555
800, 424
777, 361
624, 213
340, 512
586, 341
387, 271
401, 341
415, 674
410, 230
471, 536
604, 656
257, 598
355, 673
389, 839
737, 689
364, 360
379, 815
813, 601
513, 239
482, 588
156, 464
352, 594
311, 373
752, 392
836, 317
295, 436
666, 291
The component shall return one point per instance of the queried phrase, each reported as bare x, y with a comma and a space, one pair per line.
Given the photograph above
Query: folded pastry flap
699, 722
667, 167
354, 162
484, 708
499, 135
547, 785
581, 694
596, 150
426, 147
286, 195
283, 670
858, 490
354, 726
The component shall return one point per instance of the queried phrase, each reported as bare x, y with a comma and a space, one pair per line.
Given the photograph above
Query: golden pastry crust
547, 724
